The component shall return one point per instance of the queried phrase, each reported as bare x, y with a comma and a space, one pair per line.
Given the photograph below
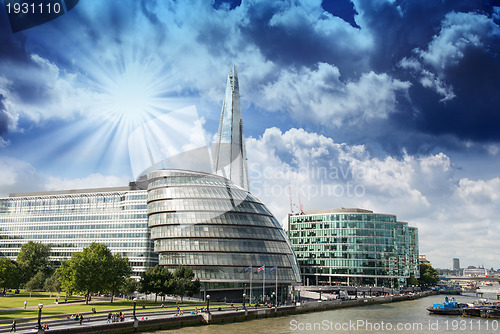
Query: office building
230, 154
456, 264
353, 247
70, 220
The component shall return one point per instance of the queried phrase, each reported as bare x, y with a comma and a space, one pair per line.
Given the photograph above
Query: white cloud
18, 176
422, 190
92, 181
320, 94
459, 31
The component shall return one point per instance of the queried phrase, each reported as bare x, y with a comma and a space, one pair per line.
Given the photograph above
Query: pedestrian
25, 303
13, 327
109, 317
81, 318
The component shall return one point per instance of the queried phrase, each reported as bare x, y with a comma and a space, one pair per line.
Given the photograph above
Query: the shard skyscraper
229, 157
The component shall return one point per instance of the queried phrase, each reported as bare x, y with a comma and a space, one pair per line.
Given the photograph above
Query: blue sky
388, 105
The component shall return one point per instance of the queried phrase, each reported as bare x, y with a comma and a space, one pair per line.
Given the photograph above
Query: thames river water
402, 317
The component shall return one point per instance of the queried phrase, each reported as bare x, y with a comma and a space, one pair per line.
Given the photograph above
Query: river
401, 317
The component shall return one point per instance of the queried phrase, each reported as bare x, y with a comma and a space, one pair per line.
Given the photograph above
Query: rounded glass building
225, 234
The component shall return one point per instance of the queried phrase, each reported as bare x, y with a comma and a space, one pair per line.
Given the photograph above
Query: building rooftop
131, 186
341, 210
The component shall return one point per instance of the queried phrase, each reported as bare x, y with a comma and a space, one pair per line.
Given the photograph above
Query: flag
247, 269
261, 268
273, 269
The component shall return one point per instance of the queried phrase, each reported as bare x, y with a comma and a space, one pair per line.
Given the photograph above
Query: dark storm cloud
460, 99
298, 35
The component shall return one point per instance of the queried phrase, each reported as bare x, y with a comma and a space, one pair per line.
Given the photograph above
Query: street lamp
208, 304
319, 293
244, 301
135, 302
40, 306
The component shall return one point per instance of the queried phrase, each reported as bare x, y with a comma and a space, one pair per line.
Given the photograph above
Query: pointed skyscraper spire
230, 154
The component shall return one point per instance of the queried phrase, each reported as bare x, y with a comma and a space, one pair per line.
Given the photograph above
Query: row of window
205, 205
221, 245
345, 248
11, 228
324, 242
224, 259
350, 271
343, 232
206, 180
220, 218
84, 235
371, 217
342, 224
215, 231
232, 273
200, 192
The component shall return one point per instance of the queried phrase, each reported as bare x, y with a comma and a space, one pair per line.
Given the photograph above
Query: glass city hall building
353, 247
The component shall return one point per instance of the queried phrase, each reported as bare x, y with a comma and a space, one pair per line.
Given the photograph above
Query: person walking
109, 317
13, 327
81, 318
25, 303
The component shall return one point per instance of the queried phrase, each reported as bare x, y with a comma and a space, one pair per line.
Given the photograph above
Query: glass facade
217, 228
70, 220
230, 153
353, 246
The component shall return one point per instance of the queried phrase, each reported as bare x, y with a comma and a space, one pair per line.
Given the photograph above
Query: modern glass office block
353, 246
70, 220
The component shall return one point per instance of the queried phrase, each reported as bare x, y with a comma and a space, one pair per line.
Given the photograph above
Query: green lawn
13, 301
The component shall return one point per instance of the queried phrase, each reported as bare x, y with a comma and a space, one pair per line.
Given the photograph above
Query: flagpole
251, 272
264, 285
276, 289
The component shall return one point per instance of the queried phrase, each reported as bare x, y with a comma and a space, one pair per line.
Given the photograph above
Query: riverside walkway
167, 318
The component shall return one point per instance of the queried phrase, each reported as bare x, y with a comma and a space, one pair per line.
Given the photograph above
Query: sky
387, 105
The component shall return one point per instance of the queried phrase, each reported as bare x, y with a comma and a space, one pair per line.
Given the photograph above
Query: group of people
116, 317
77, 317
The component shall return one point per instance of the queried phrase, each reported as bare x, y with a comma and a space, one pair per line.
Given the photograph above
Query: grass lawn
9, 302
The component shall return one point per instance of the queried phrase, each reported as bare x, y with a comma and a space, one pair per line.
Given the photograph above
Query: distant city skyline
371, 104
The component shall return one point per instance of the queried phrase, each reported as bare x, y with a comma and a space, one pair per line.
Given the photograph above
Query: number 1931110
32, 8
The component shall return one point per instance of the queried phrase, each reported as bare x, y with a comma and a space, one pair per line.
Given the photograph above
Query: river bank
163, 319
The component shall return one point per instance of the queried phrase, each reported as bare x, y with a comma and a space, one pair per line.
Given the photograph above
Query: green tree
119, 270
428, 275
91, 270
32, 258
412, 281
129, 286
9, 274
36, 282
184, 282
157, 280
52, 284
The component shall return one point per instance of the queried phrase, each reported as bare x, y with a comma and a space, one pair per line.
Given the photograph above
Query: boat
447, 308
490, 313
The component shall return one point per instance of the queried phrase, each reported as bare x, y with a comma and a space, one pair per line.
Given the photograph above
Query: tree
32, 258
412, 281
9, 274
92, 270
157, 280
53, 284
36, 282
184, 282
129, 286
428, 275
119, 271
